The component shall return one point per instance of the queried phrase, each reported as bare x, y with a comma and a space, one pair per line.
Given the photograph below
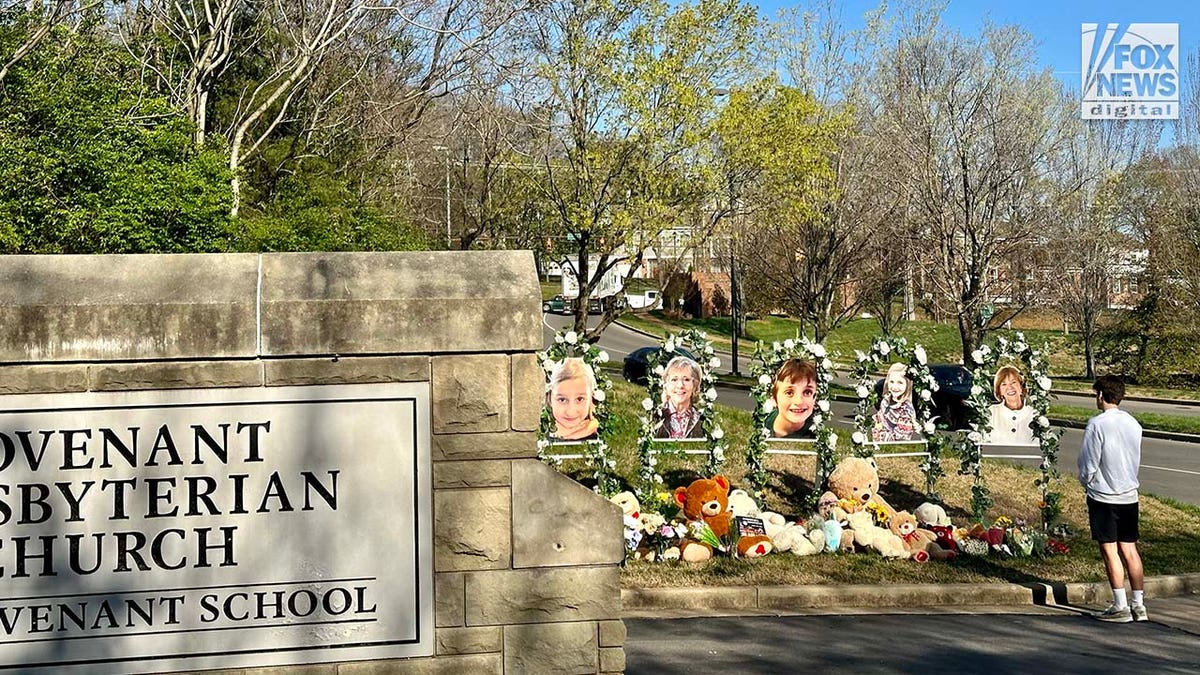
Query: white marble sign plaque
154, 531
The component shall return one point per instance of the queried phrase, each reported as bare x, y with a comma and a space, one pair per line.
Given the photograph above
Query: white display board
215, 528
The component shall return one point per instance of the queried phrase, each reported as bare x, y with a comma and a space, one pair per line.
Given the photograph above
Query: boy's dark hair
1110, 387
794, 370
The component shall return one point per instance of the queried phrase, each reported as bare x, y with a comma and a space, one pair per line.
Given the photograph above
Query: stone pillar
525, 559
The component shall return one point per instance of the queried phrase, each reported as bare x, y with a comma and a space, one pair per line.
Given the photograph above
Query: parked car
560, 305
637, 362
950, 400
557, 304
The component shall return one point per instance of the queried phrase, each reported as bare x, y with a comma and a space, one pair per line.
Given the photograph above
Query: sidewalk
756, 600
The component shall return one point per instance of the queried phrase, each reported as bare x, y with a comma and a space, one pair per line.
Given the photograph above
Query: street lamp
446, 151
734, 309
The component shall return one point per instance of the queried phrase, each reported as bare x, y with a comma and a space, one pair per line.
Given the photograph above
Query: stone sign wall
525, 560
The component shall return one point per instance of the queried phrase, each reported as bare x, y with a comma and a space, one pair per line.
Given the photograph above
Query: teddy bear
867, 534
792, 536
921, 544
707, 500
929, 513
933, 518
631, 515
742, 504
855, 480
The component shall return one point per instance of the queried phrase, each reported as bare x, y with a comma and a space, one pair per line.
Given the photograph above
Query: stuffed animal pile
851, 516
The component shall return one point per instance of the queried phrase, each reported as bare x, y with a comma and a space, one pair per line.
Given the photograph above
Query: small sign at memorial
155, 531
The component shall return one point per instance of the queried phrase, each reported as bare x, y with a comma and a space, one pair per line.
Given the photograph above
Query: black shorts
1113, 522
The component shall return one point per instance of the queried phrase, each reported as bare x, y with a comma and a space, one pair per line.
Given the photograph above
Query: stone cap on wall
246, 305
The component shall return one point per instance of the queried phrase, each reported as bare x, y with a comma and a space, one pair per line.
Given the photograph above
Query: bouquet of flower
704, 534
878, 513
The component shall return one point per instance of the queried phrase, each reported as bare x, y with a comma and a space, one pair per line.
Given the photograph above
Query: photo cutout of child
896, 418
679, 417
1011, 415
794, 393
570, 397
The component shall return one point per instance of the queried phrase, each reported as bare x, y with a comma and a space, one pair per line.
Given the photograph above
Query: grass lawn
1178, 423
941, 341
1170, 531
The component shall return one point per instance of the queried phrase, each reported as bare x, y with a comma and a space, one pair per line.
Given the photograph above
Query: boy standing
1108, 469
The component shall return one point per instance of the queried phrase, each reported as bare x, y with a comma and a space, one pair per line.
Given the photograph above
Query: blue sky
1054, 23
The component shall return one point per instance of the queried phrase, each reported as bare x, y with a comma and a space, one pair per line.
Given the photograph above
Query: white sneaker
1114, 615
1139, 612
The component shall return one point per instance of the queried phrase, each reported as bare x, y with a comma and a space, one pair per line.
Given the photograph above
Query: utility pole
734, 309
446, 152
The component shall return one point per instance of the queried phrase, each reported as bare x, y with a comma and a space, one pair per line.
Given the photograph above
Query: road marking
1163, 468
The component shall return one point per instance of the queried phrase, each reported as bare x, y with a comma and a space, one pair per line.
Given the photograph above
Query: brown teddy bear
920, 544
707, 500
856, 480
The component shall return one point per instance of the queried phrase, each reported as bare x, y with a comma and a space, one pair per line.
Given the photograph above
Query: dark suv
950, 400
637, 362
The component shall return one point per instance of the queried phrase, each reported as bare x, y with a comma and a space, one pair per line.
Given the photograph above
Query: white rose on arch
764, 380
930, 428
975, 437
919, 353
884, 349
711, 394
977, 356
976, 390
1044, 383
599, 395
1043, 422
926, 395
769, 405
718, 433
816, 420
659, 369
833, 439
714, 362
789, 344
861, 391
823, 405
602, 357
818, 350
858, 438
827, 364
648, 404
571, 337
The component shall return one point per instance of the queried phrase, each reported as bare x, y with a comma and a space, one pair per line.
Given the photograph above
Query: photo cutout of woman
679, 418
1012, 415
794, 393
570, 398
896, 418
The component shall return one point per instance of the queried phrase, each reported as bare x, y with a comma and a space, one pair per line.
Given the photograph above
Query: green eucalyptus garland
595, 452
649, 450
767, 362
1036, 366
885, 350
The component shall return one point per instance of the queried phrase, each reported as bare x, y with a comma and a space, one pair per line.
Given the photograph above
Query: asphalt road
1169, 468
1042, 640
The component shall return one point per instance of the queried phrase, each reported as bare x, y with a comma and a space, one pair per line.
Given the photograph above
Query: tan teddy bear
856, 480
920, 544
870, 536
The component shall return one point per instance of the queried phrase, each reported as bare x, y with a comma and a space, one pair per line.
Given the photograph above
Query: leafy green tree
92, 162
623, 91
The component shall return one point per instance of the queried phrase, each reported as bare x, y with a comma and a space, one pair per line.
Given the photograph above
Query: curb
704, 601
